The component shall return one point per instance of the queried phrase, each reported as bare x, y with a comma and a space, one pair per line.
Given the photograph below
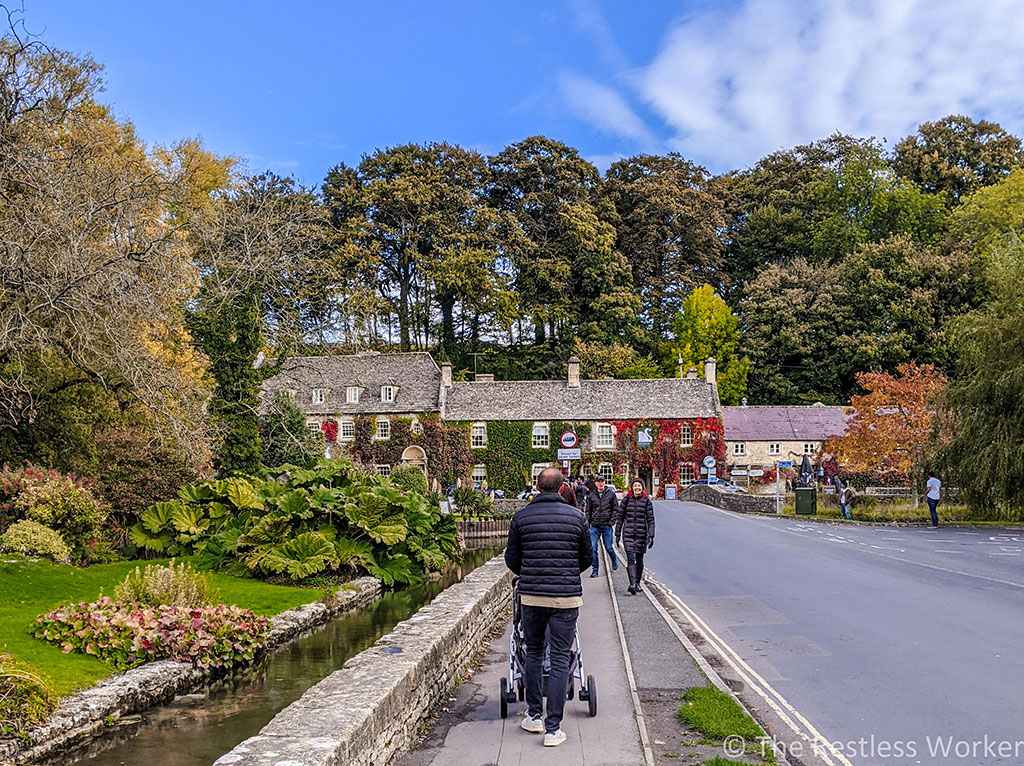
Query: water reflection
196, 729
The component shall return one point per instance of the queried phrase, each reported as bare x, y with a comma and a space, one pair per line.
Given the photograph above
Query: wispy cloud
603, 107
738, 81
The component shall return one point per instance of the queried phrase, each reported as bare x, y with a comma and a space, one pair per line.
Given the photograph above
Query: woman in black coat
634, 527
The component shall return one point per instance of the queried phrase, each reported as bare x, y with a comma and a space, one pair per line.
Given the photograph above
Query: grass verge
31, 588
718, 716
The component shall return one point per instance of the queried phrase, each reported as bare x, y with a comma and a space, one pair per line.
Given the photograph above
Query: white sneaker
532, 725
554, 739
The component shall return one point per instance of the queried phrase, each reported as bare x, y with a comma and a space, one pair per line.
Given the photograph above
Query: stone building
762, 436
390, 409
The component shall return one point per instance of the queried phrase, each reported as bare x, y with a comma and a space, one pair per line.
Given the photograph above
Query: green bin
806, 501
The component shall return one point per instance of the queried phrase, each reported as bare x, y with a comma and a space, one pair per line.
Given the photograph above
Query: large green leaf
143, 538
158, 516
391, 530
295, 503
348, 552
189, 523
243, 496
302, 556
392, 569
259, 542
195, 493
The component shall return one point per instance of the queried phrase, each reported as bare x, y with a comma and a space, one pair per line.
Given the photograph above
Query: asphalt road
910, 636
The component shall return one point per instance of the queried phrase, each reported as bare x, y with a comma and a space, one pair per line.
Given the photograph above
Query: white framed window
775, 449
685, 436
314, 428
387, 394
383, 470
352, 395
318, 396
739, 448
536, 469
480, 472
416, 427
347, 430
383, 429
686, 474
606, 471
478, 436
605, 436
541, 436
810, 448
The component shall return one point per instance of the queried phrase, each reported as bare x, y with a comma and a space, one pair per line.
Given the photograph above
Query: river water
196, 729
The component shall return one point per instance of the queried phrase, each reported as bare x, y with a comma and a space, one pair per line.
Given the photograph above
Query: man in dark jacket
548, 547
581, 493
601, 508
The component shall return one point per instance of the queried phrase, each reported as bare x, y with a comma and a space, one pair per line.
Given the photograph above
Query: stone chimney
691, 374
446, 374
482, 378
709, 370
574, 372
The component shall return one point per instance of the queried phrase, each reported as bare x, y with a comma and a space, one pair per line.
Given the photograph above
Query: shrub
469, 503
410, 478
31, 538
165, 585
65, 505
126, 635
24, 699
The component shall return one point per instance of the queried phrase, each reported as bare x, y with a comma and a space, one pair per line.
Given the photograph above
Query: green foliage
284, 436
127, 635
717, 715
62, 504
166, 585
24, 699
705, 327
613, 360
31, 538
992, 213
510, 455
471, 503
410, 478
302, 522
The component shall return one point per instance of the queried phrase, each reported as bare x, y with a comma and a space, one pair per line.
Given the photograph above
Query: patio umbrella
806, 472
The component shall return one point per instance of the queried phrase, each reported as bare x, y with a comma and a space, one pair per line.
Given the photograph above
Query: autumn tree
894, 422
613, 360
705, 327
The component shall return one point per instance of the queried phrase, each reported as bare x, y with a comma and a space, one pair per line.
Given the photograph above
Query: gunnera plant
167, 585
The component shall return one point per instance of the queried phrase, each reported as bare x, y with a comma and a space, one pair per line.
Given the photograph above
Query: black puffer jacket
548, 547
601, 507
634, 523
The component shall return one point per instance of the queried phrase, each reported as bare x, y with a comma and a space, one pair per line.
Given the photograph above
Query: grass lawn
718, 716
31, 588
904, 513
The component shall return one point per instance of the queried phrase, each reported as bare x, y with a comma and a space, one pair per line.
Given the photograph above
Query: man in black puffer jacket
548, 547
601, 507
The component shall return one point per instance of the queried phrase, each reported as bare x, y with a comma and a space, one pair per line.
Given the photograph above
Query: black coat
548, 547
601, 507
634, 523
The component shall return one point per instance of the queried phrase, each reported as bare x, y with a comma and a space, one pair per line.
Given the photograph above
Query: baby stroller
514, 686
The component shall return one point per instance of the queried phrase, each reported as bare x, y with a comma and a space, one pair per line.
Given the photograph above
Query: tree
984, 404
990, 214
956, 156
284, 435
669, 218
705, 327
894, 423
613, 360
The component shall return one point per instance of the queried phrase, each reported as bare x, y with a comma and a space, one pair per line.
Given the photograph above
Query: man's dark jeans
559, 626
602, 533
932, 505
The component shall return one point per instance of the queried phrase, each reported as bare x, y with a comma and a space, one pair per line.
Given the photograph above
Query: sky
297, 88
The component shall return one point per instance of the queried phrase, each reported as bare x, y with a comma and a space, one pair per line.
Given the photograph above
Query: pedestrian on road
634, 527
581, 493
548, 547
845, 499
600, 511
933, 496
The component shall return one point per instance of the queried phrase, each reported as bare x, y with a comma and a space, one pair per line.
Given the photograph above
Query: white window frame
689, 477
541, 437
604, 436
383, 469
314, 428
416, 427
686, 436
352, 395
607, 470
387, 394
739, 449
478, 436
319, 396
536, 468
479, 473
346, 425
810, 448
774, 448
383, 432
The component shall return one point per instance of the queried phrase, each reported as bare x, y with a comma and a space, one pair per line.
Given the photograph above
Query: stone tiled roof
415, 376
669, 398
814, 423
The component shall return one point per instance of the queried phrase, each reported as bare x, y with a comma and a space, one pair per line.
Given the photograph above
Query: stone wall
370, 711
484, 529
730, 501
506, 506
85, 715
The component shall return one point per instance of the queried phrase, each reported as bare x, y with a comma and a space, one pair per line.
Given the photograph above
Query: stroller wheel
521, 689
592, 696
504, 698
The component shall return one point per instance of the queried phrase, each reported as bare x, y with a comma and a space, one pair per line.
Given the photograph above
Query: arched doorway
414, 455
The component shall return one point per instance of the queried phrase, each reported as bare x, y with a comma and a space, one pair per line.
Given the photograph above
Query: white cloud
737, 82
603, 107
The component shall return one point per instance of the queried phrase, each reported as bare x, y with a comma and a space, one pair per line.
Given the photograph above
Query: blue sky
298, 87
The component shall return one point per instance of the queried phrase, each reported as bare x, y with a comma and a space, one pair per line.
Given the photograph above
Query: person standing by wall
548, 547
600, 512
933, 496
634, 528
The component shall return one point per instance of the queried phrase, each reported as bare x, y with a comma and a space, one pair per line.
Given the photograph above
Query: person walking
634, 528
600, 512
845, 499
549, 548
568, 493
934, 495
580, 488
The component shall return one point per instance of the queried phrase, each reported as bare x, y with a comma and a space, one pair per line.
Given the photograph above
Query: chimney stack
709, 370
446, 374
691, 374
574, 372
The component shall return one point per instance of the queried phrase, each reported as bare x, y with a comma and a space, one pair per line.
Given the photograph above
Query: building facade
759, 437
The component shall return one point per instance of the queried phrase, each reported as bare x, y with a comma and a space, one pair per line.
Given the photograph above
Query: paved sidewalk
471, 731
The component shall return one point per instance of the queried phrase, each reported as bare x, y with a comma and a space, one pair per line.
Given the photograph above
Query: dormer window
387, 394
318, 396
352, 395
